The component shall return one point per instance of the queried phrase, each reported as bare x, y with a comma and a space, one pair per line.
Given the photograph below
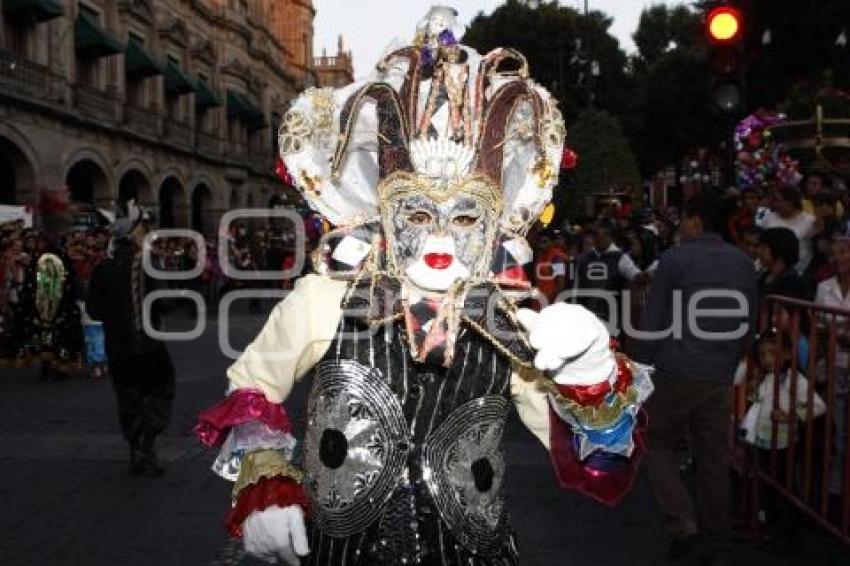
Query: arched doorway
17, 175
201, 205
87, 183
134, 185
172, 204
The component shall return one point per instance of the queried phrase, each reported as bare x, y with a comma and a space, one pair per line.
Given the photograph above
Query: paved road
66, 498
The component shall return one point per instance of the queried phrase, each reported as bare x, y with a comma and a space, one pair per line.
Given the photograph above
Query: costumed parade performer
46, 319
140, 366
431, 174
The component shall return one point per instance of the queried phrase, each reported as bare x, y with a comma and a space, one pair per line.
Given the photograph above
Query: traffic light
725, 30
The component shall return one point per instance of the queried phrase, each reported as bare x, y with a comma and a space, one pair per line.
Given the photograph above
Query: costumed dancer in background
140, 366
46, 319
431, 174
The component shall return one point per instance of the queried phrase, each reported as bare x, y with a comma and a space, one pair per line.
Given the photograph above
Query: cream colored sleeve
532, 404
295, 337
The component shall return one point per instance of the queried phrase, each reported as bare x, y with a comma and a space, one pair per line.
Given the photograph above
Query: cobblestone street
68, 498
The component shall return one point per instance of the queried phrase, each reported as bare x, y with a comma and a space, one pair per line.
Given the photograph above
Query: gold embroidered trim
264, 464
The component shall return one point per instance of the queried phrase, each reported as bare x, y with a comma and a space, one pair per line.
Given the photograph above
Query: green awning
33, 10
138, 63
92, 40
176, 81
206, 97
240, 105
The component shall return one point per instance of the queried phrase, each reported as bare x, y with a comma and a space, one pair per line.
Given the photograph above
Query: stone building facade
335, 71
174, 102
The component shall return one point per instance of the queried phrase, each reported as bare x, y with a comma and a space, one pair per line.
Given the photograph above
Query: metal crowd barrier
813, 472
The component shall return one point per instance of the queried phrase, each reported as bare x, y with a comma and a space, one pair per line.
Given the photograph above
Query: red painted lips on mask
438, 261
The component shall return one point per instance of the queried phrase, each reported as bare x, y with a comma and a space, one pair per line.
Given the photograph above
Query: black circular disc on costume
333, 448
482, 473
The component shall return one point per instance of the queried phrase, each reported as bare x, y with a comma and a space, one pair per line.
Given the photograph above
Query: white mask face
436, 244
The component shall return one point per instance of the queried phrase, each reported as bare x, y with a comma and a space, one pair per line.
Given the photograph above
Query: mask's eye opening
465, 220
420, 218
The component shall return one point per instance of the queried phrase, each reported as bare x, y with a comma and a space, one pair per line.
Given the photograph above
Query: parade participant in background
694, 378
140, 366
46, 320
432, 173
602, 273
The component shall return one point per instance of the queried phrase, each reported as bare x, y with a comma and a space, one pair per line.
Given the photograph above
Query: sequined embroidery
356, 446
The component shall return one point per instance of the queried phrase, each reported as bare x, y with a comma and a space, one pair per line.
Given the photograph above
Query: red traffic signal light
725, 24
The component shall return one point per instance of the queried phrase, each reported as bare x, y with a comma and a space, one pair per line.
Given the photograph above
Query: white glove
564, 332
276, 532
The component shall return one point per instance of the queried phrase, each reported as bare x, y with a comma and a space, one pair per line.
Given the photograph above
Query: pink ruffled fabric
241, 406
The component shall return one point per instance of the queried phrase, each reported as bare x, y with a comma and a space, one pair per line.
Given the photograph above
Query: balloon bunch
759, 159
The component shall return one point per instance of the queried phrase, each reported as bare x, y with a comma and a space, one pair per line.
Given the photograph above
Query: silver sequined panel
356, 446
464, 469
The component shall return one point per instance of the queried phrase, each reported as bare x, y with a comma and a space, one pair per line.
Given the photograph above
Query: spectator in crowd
815, 184
749, 244
601, 274
693, 378
778, 253
835, 292
744, 218
648, 238
551, 266
771, 411
786, 211
827, 225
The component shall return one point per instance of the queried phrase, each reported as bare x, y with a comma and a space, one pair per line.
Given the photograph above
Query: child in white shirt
770, 414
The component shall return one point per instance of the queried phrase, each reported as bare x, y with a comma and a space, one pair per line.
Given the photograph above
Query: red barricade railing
805, 457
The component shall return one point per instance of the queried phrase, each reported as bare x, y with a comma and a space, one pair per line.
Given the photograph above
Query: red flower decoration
569, 159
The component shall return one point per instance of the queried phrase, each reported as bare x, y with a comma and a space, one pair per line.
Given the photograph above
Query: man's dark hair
792, 194
783, 244
706, 206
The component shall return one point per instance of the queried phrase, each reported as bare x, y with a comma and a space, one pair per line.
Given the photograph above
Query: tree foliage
672, 95
661, 94
606, 160
547, 35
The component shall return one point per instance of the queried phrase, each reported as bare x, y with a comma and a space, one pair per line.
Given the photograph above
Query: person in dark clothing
140, 366
827, 225
601, 274
695, 361
778, 252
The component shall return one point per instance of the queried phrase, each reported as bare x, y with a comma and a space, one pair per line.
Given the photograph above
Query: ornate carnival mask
452, 159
